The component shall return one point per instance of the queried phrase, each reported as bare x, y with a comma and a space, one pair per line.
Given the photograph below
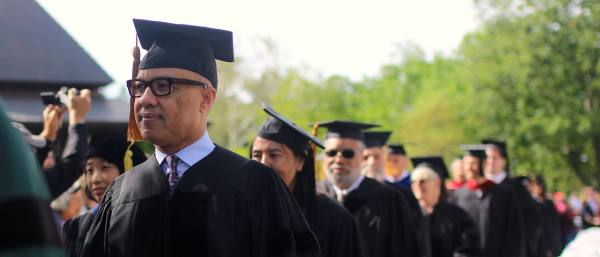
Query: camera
55, 98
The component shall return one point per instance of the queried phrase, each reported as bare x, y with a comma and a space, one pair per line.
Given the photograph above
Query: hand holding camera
78, 105
53, 116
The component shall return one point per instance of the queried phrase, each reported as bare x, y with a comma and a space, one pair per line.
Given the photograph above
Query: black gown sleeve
74, 233
71, 165
551, 242
278, 226
507, 226
531, 213
404, 229
336, 230
466, 234
96, 241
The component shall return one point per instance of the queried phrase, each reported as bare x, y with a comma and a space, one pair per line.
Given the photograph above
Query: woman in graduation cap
109, 155
287, 149
452, 232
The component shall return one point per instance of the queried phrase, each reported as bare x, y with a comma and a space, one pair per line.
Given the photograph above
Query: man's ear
209, 96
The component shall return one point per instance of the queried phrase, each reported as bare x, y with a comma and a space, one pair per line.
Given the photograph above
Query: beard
342, 180
374, 173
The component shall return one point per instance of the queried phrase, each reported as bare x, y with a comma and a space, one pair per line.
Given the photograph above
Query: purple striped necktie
172, 172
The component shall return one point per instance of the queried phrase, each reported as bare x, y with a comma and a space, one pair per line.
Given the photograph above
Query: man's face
494, 162
471, 167
374, 162
340, 170
396, 164
176, 120
458, 172
427, 191
279, 157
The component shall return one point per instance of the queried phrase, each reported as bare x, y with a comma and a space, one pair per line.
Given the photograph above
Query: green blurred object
28, 226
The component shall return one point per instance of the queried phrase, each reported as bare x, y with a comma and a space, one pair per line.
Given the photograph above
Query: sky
323, 37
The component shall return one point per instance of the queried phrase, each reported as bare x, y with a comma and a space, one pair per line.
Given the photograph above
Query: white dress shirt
342, 193
187, 156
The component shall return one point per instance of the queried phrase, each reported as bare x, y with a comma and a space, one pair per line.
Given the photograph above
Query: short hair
423, 172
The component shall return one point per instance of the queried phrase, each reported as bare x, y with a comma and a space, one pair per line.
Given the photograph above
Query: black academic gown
497, 217
530, 211
419, 221
452, 232
551, 237
74, 232
336, 230
224, 205
384, 219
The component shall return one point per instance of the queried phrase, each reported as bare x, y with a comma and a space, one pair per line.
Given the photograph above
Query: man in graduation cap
381, 212
288, 149
491, 206
397, 166
374, 154
191, 197
374, 167
495, 170
451, 231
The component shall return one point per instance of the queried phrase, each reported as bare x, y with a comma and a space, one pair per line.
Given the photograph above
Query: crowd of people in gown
348, 193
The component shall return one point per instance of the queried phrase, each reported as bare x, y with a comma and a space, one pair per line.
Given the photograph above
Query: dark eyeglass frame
346, 153
154, 87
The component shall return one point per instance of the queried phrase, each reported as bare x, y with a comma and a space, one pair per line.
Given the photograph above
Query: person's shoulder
234, 161
331, 207
451, 209
376, 190
249, 173
71, 226
333, 212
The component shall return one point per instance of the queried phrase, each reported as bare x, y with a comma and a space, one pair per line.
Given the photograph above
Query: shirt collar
191, 154
400, 178
498, 178
352, 187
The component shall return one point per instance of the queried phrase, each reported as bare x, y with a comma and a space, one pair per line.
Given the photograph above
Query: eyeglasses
159, 86
346, 153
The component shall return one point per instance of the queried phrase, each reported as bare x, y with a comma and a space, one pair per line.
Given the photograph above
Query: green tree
534, 67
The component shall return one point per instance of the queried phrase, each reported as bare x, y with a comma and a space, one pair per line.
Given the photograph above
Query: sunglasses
346, 153
158, 86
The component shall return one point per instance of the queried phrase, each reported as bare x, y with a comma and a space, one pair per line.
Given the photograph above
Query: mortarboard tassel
313, 147
128, 158
133, 132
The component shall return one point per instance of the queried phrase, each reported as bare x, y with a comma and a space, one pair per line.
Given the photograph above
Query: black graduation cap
434, 162
475, 150
112, 147
188, 47
280, 129
376, 138
500, 144
397, 149
345, 129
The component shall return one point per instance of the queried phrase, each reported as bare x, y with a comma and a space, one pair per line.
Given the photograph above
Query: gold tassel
133, 132
128, 158
318, 174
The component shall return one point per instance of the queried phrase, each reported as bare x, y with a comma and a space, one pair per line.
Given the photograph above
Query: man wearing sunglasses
379, 210
191, 197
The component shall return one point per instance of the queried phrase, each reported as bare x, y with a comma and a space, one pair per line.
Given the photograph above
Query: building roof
35, 50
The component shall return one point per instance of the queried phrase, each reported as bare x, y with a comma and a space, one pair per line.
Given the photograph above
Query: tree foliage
527, 75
